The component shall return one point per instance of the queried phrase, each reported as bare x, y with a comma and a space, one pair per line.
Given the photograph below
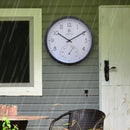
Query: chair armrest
95, 126
52, 123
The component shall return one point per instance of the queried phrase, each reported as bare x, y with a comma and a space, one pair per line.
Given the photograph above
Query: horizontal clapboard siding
70, 77
72, 84
53, 107
63, 86
52, 100
51, 62
71, 70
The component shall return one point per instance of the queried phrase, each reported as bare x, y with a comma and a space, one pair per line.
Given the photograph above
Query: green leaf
15, 127
9, 125
66, 124
4, 118
3, 125
4, 128
7, 121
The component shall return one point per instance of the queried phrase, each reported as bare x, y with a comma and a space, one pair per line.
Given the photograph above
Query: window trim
34, 88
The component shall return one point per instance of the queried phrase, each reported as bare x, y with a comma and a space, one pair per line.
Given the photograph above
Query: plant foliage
6, 125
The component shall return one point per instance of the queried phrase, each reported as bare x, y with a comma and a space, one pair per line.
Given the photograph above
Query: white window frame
34, 87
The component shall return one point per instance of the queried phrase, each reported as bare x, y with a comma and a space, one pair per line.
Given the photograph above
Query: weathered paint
114, 41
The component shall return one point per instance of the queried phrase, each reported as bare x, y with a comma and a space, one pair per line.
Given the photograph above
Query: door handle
112, 68
107, 69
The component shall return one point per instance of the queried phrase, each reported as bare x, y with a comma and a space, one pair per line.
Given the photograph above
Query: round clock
69, 40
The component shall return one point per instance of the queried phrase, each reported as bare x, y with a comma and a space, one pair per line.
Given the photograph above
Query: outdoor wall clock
69, 40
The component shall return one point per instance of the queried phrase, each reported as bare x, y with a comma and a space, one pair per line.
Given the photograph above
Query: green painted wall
63, 86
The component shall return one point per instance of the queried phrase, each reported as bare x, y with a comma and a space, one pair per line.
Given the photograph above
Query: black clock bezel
46, 35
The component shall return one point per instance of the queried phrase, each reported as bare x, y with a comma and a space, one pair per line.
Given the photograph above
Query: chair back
83, 119
86, 119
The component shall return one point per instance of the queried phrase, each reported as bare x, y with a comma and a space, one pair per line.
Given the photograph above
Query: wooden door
114, 47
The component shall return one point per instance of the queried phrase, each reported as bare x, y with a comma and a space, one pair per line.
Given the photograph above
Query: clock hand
76, 36
64, 37
71, 50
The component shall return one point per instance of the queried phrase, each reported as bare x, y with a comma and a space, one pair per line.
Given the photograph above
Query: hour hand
64, 37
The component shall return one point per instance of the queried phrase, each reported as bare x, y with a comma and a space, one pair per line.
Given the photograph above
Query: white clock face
69, 40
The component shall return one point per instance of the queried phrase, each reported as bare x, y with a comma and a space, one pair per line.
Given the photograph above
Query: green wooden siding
63, 86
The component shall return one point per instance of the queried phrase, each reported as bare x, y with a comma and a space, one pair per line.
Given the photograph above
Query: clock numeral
52, 40
86, 40
69, 25
84, 34
83, 48
77, 26
56, 32
54, 48
61, 26
69, 30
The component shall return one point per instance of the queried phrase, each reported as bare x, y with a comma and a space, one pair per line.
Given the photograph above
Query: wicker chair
83, 119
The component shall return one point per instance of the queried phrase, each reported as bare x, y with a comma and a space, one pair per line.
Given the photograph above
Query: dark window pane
14, 51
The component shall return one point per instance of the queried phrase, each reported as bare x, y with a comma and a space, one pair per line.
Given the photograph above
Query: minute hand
76, 36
